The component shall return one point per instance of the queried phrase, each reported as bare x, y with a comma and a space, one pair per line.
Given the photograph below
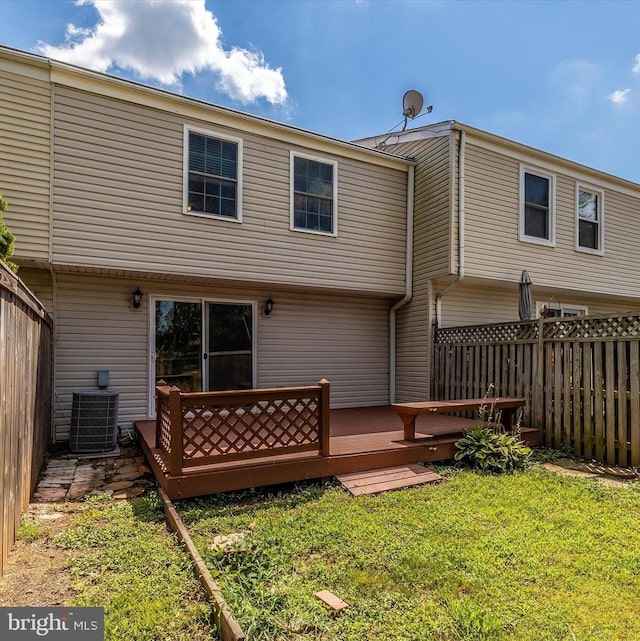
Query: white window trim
551, 241
185, 174
151, 365
582, 309
326, 161
600, 194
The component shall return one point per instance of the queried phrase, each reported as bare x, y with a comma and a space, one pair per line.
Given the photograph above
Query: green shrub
492, 451
29, 531
7, 239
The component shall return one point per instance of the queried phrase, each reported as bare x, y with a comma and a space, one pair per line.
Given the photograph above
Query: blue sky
560, 76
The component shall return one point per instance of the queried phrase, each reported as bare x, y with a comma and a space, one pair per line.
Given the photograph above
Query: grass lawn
530, 556
119, 555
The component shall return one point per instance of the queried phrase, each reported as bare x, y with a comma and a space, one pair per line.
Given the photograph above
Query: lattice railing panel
235, 429
165, 423
500, 333
590, 328
587, 328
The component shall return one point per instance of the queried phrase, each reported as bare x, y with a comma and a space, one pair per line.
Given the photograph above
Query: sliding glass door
178, 344
229, 346
202, 345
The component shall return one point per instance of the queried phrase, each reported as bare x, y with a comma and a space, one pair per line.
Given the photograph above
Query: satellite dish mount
412, 103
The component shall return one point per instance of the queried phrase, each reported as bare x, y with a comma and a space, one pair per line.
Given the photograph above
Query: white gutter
460, 276
408, 286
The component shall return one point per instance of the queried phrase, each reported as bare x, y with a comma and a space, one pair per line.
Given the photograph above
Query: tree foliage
7, 239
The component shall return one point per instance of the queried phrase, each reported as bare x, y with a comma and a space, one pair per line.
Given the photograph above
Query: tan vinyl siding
118, 204
473, 304
306, 338
342, 339
413, 338
432, 203
493, 248
96, 329
39, 282
431, 258
25, 124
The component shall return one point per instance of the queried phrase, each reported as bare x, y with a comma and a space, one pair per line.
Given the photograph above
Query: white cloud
636, 66
619, 96
163, 39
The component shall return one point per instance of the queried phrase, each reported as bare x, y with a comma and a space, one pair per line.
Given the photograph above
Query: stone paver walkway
606, 474
70, 479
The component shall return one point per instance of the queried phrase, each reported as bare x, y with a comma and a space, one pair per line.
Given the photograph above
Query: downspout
54, 282
54, 341
408, 280
460, 276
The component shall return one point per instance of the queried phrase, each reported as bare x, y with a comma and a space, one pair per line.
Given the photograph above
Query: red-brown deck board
362, 438
390, 478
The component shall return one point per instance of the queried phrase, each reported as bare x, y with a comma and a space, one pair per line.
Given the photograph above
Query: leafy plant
7, 239
491, 451
29, 531
489, 447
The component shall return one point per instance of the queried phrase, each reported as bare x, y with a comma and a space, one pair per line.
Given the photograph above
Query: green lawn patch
529, 556
122, 558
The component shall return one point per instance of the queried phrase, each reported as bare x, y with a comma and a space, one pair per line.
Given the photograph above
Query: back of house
487, 209
171, 238
174, 239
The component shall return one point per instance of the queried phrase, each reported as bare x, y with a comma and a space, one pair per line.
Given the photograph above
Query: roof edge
86, 79
544, 157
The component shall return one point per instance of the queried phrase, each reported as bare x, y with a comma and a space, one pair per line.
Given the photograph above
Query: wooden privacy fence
580, 376
25, 400
203, 428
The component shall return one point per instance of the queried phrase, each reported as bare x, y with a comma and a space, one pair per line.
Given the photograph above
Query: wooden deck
364, 438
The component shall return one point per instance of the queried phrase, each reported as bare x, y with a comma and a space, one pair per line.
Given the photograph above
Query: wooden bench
409, 411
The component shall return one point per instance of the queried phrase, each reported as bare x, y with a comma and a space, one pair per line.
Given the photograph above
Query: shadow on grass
286, 495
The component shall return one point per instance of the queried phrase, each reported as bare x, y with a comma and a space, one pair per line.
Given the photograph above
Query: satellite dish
412, 102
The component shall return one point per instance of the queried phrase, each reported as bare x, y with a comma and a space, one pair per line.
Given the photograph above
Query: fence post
537, 393
323, 416
175, 416
435, 364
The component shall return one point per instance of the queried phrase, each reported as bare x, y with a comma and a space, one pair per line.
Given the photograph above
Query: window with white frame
314, 192
552, 309
537, 200
213, 169
589, 219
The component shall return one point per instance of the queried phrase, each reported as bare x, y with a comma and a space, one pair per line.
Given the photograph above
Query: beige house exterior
111, 191
487, 208
268, 256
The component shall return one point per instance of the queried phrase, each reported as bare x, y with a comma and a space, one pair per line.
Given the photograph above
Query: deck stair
390, 478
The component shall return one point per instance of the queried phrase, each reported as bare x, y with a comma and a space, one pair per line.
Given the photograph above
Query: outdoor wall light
268, 306
137, 298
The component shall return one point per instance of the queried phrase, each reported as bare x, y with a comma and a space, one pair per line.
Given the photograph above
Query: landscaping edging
227, 625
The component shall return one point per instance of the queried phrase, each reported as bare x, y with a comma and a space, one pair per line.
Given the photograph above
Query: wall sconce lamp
137, 298
268, 306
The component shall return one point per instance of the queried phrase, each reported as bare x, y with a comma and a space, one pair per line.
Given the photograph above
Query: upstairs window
212, 175
589, 220
314, 195
537, 195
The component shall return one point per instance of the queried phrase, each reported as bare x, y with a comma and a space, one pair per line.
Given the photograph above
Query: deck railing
203, 428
